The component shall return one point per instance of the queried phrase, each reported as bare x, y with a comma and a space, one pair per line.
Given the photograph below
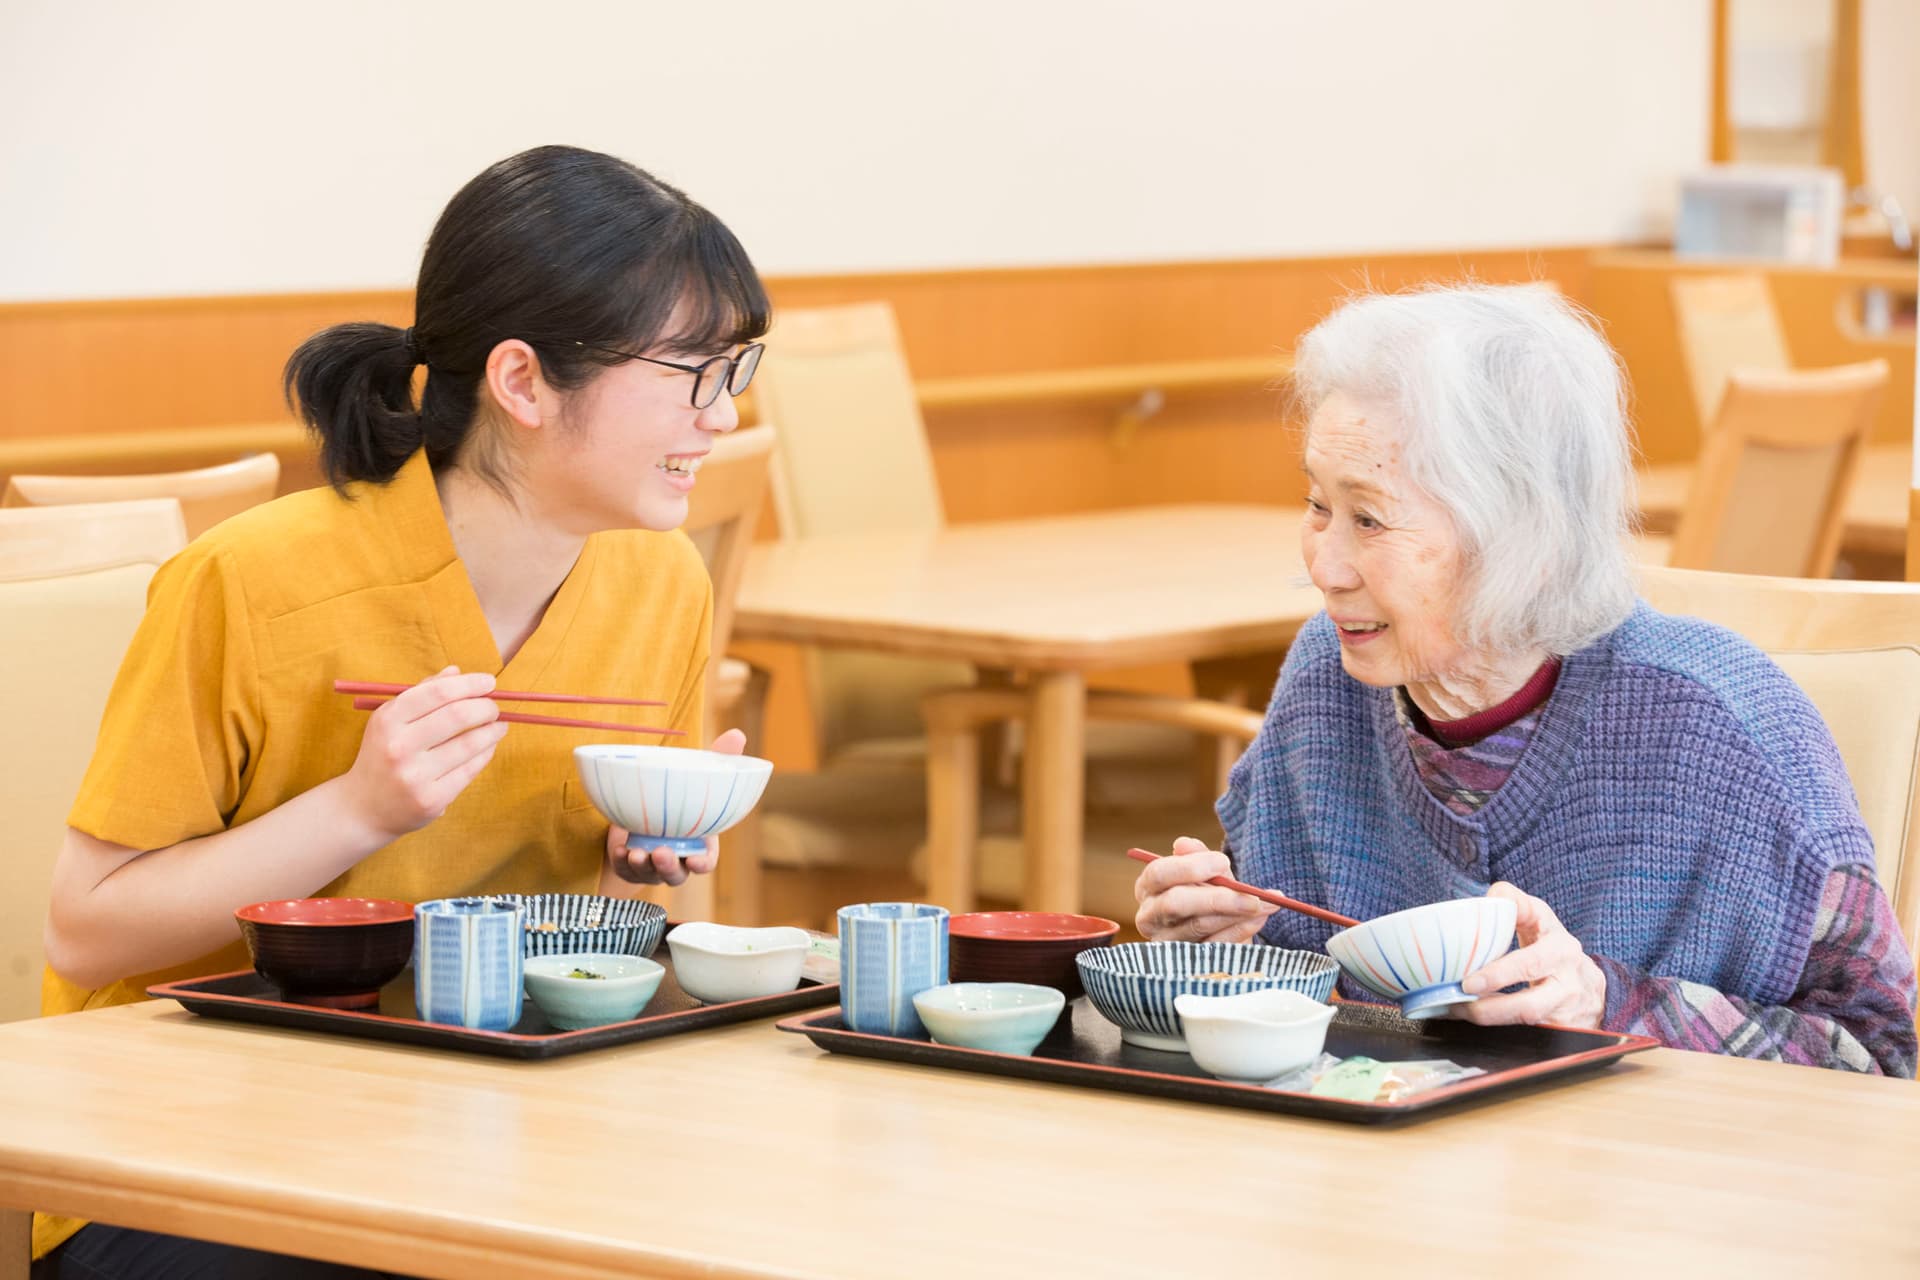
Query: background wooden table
747, 1152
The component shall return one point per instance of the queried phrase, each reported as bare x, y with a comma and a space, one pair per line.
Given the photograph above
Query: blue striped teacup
889, 953
467, 962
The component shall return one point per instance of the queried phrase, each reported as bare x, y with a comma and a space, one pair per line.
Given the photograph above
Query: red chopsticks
1265, 895
520, 717
374, 686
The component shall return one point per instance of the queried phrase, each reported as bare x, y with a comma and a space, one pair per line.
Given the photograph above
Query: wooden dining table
1876, 521
747, 1152
1057, 598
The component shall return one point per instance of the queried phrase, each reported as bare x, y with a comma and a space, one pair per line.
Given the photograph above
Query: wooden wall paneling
137, 364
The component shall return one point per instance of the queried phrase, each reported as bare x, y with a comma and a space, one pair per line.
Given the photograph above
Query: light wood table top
1876, 509
1102, 589
747, 1152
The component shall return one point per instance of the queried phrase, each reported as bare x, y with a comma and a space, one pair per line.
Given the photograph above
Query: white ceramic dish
716, 963
1255, 1035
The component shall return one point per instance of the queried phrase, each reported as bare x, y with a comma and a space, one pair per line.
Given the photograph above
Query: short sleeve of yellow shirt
223, 708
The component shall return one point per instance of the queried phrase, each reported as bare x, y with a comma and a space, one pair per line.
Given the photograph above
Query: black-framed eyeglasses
732, 373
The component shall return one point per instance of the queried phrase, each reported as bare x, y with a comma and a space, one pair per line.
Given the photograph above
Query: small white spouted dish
1256, 1035
718, 963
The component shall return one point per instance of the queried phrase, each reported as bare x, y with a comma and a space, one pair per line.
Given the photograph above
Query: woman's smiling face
1383, 553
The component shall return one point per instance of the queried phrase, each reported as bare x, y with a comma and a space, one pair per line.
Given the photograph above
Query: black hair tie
416, 353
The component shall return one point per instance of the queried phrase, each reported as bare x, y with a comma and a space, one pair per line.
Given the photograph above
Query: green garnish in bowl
586, 973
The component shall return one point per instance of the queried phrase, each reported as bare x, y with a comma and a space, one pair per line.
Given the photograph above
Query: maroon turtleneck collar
1470, 729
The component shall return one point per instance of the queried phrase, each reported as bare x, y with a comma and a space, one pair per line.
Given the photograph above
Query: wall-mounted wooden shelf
1106, 382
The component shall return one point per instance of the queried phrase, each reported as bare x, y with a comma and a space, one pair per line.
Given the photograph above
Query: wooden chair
73, 586
207, 495
1725, 322
1854, 647
854, 456
1769, 491
721, 514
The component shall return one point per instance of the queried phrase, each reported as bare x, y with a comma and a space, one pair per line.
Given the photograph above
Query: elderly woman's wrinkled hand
1564, 985
1177, 904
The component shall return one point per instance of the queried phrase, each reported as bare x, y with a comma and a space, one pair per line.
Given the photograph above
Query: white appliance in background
1762, 213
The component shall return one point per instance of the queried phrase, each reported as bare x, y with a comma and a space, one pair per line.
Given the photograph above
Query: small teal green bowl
621, 991
1001, 1017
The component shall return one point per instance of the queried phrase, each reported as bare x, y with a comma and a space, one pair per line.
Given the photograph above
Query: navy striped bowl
1133, 985
564, 923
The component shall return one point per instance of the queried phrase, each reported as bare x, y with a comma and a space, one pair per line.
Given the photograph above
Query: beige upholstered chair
73, 584
1725, 322
207, 496
854, 456
1769, 491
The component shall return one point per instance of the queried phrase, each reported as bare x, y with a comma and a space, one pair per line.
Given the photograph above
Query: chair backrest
1769, 492
853, 453
207, 495
853, 458
1726, 322
73, 584
722, 513
1854, 647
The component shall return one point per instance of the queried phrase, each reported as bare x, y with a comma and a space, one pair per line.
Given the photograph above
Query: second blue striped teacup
889, 953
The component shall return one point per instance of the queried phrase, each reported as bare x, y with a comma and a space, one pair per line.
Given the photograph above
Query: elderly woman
1484, 707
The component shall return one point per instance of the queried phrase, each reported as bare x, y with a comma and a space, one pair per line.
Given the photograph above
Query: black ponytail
556, 246
353, 384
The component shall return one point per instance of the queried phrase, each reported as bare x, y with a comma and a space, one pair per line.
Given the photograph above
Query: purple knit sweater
1680, 806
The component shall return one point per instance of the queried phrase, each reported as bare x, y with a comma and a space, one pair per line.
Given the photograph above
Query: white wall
215, 146
1890, 99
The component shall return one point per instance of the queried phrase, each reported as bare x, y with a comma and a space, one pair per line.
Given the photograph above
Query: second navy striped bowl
569, 923
1134, 984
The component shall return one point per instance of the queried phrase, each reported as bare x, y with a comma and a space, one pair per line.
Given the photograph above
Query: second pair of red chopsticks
376, 693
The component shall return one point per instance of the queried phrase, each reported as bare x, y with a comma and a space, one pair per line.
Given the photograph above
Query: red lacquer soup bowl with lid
336, 952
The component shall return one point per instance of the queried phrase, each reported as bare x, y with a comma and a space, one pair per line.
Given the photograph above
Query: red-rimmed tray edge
1624, 1044
188, 989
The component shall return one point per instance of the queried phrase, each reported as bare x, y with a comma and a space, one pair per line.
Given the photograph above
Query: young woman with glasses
506, 518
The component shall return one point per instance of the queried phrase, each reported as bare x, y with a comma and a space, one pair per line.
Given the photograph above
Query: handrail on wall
164, 448
1143, 387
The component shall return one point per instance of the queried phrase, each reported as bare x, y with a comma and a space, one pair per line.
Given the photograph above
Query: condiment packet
1363, 1079
1357, 1079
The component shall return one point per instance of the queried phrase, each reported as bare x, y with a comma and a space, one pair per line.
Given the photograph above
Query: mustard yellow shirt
224, 705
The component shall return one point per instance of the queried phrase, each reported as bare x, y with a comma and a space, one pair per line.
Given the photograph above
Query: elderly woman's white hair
1514, 419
